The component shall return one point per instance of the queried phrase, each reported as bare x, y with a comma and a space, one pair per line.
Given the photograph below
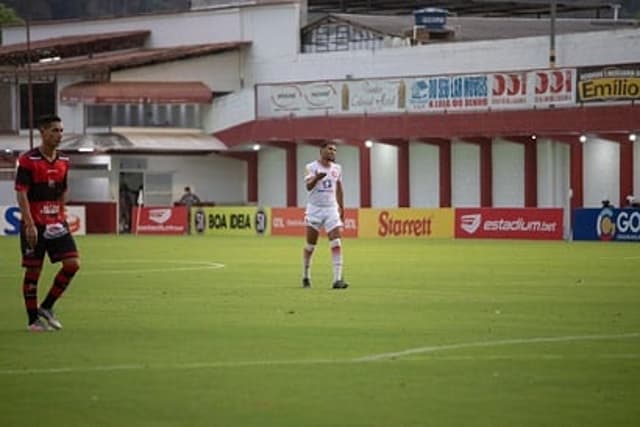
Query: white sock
336, 259
307, 253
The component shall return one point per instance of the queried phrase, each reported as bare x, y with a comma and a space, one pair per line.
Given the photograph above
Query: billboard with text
428, 94
509, 223
10, 220
609, 83
406, 222
159, 220
231, 220
290, 222
608, 224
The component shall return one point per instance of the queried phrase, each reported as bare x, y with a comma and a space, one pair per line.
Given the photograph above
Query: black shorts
59, 246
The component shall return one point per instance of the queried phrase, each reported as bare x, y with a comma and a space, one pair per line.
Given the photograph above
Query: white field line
431, 349
524, 357
365, 359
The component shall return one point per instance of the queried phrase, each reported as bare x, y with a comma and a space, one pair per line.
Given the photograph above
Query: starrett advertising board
406, 222
231, 220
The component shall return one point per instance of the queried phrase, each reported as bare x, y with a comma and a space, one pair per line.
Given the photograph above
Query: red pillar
576, 175
404, 196
292, 179
252, 178
445, 174
530, 175
626, 172
486, 176
365, 175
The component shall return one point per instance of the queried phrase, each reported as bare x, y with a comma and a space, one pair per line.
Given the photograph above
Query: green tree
8, 16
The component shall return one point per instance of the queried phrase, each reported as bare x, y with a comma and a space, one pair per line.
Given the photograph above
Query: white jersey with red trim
323, 194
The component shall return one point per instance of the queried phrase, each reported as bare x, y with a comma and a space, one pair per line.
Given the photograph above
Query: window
6, 117
98, 116
147, 115
44, 102
157, 189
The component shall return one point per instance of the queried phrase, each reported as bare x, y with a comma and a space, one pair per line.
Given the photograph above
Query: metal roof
468, 28
118, 60
459, 7
121, 92
144, 142
125, 140
69, 46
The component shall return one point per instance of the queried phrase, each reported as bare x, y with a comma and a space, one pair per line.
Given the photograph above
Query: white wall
89, 186
272, 177
601, 172
508, 174
465, 175
213, 178
230, 110
553, 173
384, 176
220, 72
490, 55
424, 175
349, 158
7, 193
72, 115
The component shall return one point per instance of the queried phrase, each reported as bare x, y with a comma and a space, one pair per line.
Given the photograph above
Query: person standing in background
189, 199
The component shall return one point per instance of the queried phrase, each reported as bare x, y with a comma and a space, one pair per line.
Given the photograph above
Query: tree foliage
8, 16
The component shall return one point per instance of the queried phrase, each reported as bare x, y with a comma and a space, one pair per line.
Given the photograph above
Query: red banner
290, 222
153, 220
498, 223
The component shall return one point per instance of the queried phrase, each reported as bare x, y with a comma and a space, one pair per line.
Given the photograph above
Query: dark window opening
44, 102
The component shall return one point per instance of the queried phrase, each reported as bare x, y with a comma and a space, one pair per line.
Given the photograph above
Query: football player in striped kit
41, 188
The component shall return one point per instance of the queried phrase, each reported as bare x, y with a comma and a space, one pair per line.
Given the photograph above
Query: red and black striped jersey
45, 183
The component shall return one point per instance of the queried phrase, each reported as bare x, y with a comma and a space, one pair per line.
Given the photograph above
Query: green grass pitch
216, 331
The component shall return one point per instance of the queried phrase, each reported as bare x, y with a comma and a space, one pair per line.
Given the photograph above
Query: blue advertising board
9, 220
607, 224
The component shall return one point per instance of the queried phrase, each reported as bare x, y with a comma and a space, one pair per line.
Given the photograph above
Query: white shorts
319, 216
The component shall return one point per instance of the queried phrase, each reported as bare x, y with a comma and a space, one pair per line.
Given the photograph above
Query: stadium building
233, 98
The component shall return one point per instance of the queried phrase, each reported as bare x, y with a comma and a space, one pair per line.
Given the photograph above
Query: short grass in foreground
193, 331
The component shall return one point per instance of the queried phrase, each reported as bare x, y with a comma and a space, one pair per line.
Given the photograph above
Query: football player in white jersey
325, 208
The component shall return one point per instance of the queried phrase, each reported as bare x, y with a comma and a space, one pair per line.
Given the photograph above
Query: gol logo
470, 223
606, 225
